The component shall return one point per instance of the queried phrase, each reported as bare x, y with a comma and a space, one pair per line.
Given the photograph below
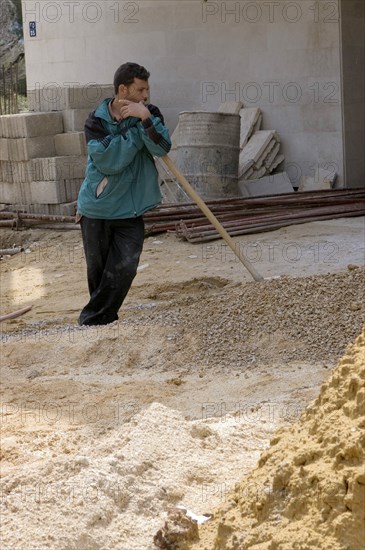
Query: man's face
137, 91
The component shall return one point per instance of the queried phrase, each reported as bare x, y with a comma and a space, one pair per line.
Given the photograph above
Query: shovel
211, 217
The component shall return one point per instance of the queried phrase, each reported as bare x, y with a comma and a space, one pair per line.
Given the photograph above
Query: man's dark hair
127, 73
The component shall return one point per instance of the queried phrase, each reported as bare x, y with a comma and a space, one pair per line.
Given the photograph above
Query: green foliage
18, 5
22, 104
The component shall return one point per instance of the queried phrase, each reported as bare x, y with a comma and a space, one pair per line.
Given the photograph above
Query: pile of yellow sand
308, 490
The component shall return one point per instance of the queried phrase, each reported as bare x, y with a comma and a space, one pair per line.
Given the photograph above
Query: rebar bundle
238, 215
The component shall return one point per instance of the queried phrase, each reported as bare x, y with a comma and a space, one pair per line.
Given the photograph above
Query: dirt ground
105, 428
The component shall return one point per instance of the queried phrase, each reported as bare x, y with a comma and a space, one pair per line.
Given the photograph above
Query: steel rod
256, 228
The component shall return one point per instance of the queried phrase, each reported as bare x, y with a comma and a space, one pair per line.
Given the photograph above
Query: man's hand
130, 108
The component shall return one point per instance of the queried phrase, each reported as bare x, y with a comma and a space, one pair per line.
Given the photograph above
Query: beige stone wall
282, 56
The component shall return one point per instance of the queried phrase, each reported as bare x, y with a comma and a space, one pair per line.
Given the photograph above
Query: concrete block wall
69, 144
74, 119
22, 149
61, 167
26, 125
8, 193
43, 169
54, 97
41, 173
61, 209
53, 192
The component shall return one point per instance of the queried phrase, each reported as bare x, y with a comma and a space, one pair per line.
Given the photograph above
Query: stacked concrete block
17, 172
31, 125
260, 156
273, 156
322, 179
251, 119
23, 192
14, 180
52, 168
29, 135
62, 167
62, 209
57, 180
170, 188
70, 144
41, 168
54, 192
62, 98
24, 137
258, 123
21, 149
275, 184
8, 192
4, 149
74, 119
278, 160
230, 107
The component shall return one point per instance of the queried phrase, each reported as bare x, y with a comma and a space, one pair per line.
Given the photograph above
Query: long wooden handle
211, 217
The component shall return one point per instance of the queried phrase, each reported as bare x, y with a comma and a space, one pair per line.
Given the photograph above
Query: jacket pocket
101, 186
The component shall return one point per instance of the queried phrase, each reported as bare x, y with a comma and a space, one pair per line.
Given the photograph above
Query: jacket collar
103, 112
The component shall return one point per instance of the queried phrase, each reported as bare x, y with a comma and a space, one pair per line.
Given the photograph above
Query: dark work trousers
112, 251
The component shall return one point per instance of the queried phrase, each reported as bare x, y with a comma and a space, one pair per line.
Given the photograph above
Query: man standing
121, 183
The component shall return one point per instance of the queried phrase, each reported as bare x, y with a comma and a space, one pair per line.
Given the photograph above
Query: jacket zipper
134, 206
122, 126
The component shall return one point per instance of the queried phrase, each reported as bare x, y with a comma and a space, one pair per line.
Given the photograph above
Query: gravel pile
304, 319
242, 326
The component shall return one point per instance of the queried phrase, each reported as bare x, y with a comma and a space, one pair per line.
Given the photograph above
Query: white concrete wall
282, 56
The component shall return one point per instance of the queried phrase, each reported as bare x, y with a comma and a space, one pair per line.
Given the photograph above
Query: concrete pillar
353, 89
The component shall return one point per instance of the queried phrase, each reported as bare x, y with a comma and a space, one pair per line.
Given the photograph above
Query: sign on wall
32, 28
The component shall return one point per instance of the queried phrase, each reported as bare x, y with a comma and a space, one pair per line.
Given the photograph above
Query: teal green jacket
121, 178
